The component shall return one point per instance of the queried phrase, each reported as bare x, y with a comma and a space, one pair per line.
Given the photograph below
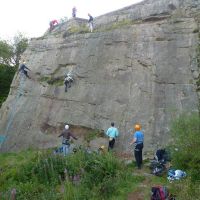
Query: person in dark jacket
66, 136
24, 69
74, 10
90, 22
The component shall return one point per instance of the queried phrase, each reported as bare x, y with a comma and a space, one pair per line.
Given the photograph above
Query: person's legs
69, 84
140, 154
26, 74
137, 159
111, 144
65, 149
66, 86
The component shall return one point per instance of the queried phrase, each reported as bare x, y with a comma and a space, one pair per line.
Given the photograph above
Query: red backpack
159, 193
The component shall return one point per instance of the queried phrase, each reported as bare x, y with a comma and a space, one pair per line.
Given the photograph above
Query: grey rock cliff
139, 65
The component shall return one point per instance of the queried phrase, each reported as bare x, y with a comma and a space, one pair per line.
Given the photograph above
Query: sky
32, 17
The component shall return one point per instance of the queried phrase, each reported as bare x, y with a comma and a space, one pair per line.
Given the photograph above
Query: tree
10, 52
6, 52
20, 43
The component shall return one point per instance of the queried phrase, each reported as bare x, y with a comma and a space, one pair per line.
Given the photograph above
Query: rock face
139, 65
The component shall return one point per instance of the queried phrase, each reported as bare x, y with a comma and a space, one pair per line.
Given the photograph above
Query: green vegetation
11, 51
186, 154
43, 175
6, 76
92, 135
116, 25
58, 81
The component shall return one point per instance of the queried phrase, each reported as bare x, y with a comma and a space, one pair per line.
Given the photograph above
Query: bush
186, 153
186, 133
6, 76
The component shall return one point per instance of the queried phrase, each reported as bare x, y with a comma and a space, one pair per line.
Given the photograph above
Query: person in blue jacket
138, 139
112, 133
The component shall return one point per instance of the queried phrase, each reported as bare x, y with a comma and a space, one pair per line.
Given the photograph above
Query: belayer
138, 139
66, 136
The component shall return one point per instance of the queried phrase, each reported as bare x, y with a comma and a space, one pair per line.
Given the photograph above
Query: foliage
20, 43
43, 175
93, 134
11, 51
6, 76
6, 52
186, 151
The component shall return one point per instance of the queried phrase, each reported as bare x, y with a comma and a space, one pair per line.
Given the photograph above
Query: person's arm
60, 135
27, 68
107, 132
72, 135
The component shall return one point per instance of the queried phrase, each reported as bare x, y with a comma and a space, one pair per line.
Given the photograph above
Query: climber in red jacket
52, 24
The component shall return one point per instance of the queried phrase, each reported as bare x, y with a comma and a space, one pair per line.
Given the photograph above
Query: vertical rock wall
140, 65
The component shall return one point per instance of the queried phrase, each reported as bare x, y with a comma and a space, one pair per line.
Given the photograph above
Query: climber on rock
67, 81
53, 24
24, 69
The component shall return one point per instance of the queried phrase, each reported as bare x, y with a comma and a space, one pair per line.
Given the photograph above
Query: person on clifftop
90, 22
74, 10
66, 136
52, 24
24, 69
112, 133
138, 139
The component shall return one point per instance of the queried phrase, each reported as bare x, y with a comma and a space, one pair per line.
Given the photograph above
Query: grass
58, 81
41, 175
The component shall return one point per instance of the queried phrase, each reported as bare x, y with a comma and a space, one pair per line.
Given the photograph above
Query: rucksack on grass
159, 193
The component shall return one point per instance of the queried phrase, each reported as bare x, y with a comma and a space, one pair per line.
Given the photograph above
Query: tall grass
78, 176
186, 154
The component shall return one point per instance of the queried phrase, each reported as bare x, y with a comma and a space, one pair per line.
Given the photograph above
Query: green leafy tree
6, 52
20, 43
6, 77
186, 151
11, 51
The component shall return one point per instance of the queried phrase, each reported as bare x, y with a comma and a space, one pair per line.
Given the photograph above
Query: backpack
159, 193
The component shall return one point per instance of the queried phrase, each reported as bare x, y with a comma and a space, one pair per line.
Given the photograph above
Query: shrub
186, 133
6, 76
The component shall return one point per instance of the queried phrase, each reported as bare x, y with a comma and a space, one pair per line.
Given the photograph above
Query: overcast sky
31, 17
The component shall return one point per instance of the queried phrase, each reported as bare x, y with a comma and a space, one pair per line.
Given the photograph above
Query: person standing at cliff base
112, 133
138, 139
66, 136
90, 22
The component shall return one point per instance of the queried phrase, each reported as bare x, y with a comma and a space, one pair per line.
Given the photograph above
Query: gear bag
159, 193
